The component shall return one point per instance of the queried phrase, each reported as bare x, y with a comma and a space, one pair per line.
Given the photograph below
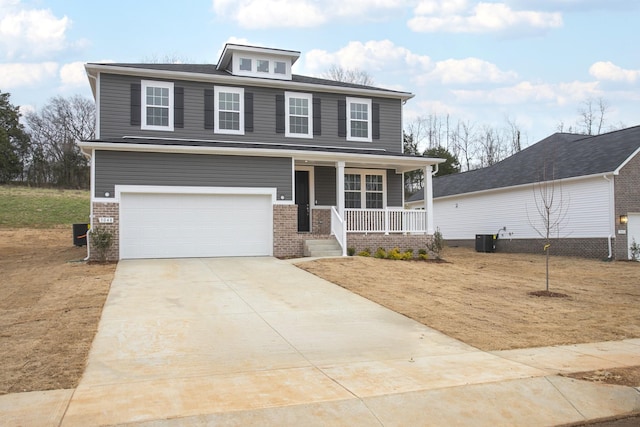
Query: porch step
322, 247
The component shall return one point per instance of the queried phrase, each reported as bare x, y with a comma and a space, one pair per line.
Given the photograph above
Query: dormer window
263, 65
280, 67
246, 64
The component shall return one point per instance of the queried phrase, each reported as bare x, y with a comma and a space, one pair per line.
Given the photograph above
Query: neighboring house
244, 158
597, 184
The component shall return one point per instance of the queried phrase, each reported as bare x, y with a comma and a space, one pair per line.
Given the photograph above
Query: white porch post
340, 188
428, 198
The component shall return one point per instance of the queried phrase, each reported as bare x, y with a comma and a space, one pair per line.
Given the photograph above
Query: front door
302, 200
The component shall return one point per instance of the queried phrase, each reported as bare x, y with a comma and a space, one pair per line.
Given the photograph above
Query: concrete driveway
257, 341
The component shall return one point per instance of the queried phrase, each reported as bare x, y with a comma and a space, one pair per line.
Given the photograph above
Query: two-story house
244, 158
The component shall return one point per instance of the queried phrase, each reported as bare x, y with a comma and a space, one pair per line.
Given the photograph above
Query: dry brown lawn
50, 306
483, 298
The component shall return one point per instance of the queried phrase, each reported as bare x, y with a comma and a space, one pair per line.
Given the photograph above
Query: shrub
408, 254
364, 253
351, 251
423, 254
437, 244
635, 250
101, 241
380, 253
395, 254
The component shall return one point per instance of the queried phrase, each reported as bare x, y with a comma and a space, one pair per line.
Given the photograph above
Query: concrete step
322, 247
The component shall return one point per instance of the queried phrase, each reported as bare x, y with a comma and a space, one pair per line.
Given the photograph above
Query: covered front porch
359, 200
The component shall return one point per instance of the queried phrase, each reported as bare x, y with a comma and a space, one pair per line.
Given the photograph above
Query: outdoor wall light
106, 194
624, 219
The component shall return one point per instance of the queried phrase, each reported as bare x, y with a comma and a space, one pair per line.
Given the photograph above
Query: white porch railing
390, 220
339, 229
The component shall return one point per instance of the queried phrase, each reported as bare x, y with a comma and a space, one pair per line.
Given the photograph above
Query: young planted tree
551, 208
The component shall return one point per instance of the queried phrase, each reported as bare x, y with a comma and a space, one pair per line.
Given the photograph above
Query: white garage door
195, 225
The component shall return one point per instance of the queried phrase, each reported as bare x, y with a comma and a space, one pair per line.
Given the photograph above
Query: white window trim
144, 84
254, 66
309, 98
363, 185
216, 110
369, 122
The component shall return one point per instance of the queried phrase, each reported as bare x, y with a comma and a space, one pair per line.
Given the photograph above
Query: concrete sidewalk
256, 341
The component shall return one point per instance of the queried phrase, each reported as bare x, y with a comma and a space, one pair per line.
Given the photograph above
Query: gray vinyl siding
137, 168
395, 187
325, 185
115, 116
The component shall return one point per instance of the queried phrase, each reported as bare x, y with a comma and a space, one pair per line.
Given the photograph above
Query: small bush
101, 241
380, 253
422, 252
437, 244
407, 255
351, 251
424, 256
364, 253
635, 250
395, 254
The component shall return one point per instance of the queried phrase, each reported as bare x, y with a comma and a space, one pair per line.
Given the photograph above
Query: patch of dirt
548, 294
620, 376
50, 306
483, 299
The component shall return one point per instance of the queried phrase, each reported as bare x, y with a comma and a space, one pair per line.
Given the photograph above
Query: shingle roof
558, 156
211, 69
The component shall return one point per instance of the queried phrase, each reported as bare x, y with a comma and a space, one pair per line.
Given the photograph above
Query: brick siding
287, 241
627, 199
373, 241
110, 210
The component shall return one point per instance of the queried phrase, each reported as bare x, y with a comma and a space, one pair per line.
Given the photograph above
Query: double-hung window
299, 115
157, 105
364, 190
229, 110
358, 119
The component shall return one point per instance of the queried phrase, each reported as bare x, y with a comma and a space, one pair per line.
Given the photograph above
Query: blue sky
534, 62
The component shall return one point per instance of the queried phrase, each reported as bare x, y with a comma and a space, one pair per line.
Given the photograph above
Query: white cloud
261, 14
73, 74
527, 92
462, 16
609, 71
370, 56
27, 33
468, 70
21, 74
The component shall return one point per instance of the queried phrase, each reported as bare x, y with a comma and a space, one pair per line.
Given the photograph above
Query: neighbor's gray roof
563, 155
212, 70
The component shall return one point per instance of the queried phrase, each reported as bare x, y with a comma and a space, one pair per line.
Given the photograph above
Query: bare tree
592, 116
514, 135
551, 208
347, 75
54, 131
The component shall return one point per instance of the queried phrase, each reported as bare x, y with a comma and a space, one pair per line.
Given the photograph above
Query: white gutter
91, 188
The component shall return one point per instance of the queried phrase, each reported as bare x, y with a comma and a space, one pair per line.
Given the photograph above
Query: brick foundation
287, 241
361, 241
584, 248
110, 210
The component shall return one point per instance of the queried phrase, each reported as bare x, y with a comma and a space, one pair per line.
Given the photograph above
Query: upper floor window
263, 65
358, 119
246, 64
299, 115
280, 67
157, 105
229, 110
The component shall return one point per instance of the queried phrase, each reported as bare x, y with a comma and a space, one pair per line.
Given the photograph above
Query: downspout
611, 215
91, 186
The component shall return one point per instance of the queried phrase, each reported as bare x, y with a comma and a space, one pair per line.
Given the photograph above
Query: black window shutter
209, 102
178, 107
248, 112
317, 116
280, 122
375, 120
342, 118
135, 104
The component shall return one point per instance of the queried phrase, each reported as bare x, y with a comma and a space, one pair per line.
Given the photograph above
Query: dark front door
302, 200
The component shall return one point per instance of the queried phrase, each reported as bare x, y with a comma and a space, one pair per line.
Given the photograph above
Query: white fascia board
627, 160
529, 184
239, 80
399, 163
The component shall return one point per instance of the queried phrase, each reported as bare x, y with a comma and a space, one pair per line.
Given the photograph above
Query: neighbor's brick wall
584, 248
373, 241
107, 210
287, 242
627, 199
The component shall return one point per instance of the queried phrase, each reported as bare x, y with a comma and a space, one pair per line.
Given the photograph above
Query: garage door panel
195, 225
